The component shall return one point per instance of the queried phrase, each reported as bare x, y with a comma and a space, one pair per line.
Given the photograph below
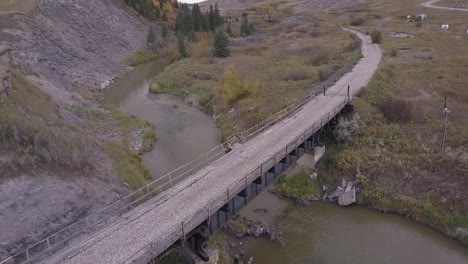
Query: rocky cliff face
78, 43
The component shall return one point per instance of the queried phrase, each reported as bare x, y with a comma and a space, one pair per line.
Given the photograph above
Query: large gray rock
347, 198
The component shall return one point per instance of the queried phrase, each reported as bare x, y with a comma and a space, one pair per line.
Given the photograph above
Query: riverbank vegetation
397, 160
298, 186
275, 57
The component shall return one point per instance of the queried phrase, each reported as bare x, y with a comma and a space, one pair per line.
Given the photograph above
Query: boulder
347, 198
335, 194
343, 183
349, 186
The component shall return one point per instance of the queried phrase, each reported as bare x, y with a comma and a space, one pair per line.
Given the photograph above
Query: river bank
326, 233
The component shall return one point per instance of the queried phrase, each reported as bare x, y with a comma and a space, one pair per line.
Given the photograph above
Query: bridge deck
160, 218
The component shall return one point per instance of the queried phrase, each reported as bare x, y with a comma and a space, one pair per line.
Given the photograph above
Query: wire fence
110, 214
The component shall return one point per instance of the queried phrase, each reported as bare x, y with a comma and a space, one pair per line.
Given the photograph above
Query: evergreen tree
246, 27
164, 32
181, 45
151, 37
205, 26
221, 44
164, 16
229, 30
212, 19
218, 19
197, 18
158, 13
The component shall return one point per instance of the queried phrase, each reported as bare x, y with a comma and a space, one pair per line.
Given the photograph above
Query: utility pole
446, 113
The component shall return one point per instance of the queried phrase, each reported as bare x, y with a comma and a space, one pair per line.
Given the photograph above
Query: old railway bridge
196, 199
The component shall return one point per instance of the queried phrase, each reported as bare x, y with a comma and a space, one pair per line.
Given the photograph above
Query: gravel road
430, 4
156, 219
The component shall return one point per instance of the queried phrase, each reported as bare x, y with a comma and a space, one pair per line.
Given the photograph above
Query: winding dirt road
430, 4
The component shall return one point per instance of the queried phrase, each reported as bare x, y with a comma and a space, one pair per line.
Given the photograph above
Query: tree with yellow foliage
234, 88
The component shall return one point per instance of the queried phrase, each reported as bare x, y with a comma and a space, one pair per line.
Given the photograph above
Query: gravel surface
158, 218
431, 3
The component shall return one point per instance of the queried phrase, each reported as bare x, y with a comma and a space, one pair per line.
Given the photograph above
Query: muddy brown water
184, 131
322, 233
326, 233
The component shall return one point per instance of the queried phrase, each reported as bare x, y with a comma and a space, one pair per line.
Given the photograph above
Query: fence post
183, 231
48, 247
148, 191
209, 212
87, 227
27, 256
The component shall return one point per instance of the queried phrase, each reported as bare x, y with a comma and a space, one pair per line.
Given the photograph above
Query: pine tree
164, 32
246, 27
219, 21
212, 19
158, 13
151, 37
221, 44
229, 30
181, 45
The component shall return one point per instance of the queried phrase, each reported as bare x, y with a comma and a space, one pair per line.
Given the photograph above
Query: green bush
376, 36
299, 185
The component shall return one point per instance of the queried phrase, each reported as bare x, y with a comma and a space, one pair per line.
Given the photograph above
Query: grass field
398, 161
17, 5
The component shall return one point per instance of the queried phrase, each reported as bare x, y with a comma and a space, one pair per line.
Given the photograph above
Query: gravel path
156, 219
431, 3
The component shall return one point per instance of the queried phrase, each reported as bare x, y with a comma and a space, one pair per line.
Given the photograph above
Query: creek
184, 131
322, 233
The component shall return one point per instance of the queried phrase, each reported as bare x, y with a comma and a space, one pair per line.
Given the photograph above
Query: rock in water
347, 198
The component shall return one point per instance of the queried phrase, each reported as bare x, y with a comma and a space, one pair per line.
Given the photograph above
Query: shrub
357, 22
327, 72
141, 56
399, 110
394, 53
348, 129
354, 44
376, 36
233, 87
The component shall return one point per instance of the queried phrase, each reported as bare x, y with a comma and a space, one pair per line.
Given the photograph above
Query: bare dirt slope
61, 45
78, 43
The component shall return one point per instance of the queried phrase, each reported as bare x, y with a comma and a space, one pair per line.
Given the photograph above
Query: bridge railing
154, 248
110, 214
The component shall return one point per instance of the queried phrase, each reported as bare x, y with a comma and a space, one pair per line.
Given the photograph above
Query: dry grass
17, 5
280, 66
400, 166
36, 138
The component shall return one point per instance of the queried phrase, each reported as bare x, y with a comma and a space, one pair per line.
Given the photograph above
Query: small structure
445, 27
421, 17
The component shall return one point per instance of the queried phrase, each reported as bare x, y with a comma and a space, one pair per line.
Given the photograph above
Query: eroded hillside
56, 143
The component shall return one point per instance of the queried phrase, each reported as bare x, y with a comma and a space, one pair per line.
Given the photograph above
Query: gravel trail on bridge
162, 216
